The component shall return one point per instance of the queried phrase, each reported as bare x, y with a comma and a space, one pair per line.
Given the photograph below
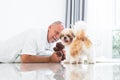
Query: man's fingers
59, 59
56, 58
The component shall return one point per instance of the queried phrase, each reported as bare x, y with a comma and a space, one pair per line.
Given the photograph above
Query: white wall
117, 12
101, 18
19, 15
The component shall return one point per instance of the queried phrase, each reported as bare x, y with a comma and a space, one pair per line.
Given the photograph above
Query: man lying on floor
32, 45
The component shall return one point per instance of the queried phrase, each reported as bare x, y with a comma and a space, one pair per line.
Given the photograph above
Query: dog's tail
81, 35
80, 25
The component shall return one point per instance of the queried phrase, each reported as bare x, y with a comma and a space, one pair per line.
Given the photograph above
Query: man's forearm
34, 59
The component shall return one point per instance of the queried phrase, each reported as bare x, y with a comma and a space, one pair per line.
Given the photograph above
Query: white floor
56, 71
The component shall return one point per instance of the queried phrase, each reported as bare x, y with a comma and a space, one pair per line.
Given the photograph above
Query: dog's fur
77, 44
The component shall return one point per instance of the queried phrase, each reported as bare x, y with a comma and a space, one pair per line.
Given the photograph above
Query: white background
100, 15
19, 15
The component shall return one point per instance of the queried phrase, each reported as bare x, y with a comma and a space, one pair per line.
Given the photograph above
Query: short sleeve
29, 47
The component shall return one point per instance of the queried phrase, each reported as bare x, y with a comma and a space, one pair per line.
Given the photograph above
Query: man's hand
54, 58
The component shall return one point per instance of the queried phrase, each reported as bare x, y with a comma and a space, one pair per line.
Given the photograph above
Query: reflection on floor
55, 71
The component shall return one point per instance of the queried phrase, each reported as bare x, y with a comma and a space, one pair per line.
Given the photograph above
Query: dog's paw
66, 62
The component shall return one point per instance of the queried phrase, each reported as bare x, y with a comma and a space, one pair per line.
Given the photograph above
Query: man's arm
25, 58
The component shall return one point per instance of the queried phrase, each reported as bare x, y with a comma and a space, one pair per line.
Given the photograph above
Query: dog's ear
61, 35
72, 32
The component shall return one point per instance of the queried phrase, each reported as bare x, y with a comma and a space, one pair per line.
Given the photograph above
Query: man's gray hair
57, 22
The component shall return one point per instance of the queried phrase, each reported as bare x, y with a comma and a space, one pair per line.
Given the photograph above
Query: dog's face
67, 36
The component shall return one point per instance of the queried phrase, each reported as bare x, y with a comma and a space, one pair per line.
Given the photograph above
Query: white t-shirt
32, 42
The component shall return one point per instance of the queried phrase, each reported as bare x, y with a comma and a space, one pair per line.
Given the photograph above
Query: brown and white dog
77, 44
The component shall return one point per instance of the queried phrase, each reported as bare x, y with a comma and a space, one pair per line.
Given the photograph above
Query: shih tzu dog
77, 44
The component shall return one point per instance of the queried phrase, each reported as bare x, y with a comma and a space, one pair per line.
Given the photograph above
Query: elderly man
34, 45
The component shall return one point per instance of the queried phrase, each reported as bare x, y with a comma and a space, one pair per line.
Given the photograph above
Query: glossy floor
48, 71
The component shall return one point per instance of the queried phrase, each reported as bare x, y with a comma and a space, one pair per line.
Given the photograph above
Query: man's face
54, 32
